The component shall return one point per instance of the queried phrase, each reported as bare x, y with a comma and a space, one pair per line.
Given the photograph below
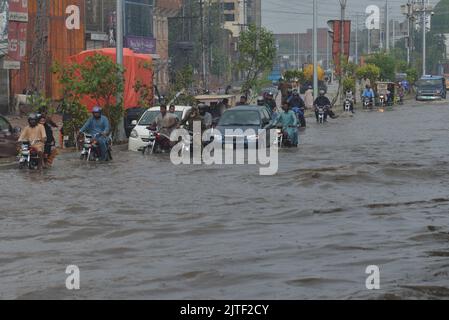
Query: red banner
17, 37
336, 51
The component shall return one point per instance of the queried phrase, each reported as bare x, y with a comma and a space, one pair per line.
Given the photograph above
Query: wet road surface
372, 189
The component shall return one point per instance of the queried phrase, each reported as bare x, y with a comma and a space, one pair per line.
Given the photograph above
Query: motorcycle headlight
134, 134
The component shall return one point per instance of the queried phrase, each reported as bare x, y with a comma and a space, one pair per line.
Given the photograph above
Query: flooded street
372, 189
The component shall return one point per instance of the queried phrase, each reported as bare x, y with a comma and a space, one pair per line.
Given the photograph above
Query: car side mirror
134, 122
17, 130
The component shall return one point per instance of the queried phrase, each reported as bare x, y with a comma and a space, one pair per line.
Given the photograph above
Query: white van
140, 134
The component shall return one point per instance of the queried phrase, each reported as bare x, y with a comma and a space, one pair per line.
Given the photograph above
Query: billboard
4, 13
335, 33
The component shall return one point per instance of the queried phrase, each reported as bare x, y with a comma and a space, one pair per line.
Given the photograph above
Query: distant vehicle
132, 114
431, 88
8, 138
243, 118
140, 135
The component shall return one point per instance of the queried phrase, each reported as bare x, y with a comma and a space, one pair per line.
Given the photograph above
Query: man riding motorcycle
350, 97
50, 142
297, 105
323, 101
35, 134
269, 101
98, 126
207, 117
289, 122
368, 93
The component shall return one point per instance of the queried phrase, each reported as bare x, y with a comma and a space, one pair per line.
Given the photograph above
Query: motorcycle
382, 101
367, 103
28, 156
158, 142
347, 105
91, 149
322, 110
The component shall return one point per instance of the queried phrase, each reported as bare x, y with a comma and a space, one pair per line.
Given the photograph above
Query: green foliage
348, 84
76, 113
39, 103
182, 80
292, 75
369, 71
386, 64
440, 17
257, 53
412, 75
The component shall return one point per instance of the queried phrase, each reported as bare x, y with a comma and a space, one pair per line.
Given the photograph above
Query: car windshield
429, 83
240, 118
149, 116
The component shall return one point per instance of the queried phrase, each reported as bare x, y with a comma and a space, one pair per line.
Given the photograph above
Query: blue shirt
94, 126
368, 93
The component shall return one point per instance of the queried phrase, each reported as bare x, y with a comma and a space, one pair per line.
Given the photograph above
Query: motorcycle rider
35, 134
289, 122
207, 117
50, 138
296, 104
350, 97
270, 101
243, 101
308, 98
368, 93
323, 101
98, 126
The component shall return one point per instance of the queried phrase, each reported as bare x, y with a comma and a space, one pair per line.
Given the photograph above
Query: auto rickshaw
385, 93
215, 104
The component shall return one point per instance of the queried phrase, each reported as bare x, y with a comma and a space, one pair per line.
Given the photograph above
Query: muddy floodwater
372, 189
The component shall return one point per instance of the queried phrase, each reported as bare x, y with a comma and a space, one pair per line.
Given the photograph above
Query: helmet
260, 101
96, 109
322, 92
33, 119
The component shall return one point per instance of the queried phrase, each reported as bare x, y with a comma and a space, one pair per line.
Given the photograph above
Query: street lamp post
424, 18
343, 4
315, 49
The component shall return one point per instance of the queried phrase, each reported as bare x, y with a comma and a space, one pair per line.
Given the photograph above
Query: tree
97, 77
370, 71
386, 64
101, 80
257, 53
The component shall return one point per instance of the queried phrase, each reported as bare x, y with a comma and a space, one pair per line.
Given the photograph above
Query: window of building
230, 6
229, 17
139, 18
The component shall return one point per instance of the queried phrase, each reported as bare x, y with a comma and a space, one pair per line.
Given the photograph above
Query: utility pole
315, 49
342, 44
203, 52
357, 39
119, 40
424, 18
387, 27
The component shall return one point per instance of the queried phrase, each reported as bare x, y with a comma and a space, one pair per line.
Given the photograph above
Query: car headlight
438, 91
134, 134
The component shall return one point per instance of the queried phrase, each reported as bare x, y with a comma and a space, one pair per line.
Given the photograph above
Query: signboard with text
18, 10
141, 44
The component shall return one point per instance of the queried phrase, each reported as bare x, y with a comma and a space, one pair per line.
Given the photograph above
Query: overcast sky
285, 16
